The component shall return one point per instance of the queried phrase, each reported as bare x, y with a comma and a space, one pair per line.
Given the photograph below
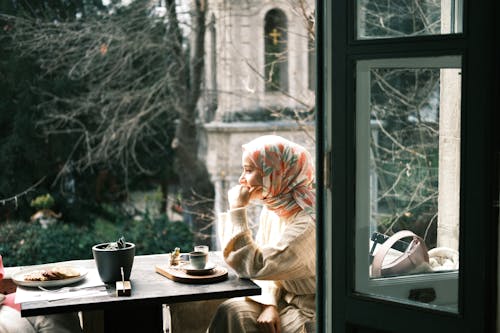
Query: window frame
338, 52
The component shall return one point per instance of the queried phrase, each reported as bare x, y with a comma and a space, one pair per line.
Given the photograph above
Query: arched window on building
276, 54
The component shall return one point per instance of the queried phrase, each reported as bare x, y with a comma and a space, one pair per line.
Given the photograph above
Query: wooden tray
219, 274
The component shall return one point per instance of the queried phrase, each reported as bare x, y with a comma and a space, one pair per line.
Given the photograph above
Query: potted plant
112, 257
44, 213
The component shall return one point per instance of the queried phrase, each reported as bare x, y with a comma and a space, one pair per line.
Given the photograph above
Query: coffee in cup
198, 259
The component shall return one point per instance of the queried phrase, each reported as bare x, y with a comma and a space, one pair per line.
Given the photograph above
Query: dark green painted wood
479, 172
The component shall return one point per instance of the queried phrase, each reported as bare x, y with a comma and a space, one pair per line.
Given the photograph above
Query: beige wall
238, 37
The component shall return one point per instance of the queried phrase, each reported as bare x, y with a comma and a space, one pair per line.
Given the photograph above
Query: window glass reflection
408, 167
401, 18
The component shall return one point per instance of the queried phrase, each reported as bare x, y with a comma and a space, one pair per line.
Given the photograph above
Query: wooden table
142, 311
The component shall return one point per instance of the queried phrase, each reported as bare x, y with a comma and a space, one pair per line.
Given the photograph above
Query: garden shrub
156, 234
23, 243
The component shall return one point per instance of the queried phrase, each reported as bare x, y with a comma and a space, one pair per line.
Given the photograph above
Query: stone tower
258, 80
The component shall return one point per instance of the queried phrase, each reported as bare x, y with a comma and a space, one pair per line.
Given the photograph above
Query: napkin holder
123, 288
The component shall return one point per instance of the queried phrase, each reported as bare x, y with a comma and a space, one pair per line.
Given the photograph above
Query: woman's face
251, 177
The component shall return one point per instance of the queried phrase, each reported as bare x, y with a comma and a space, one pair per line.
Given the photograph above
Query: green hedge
23, 243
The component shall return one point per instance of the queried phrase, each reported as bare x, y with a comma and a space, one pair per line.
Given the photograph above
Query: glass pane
407, 175
401, 18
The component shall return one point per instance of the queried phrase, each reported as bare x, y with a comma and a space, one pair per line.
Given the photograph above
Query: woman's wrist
236, 205
239, 219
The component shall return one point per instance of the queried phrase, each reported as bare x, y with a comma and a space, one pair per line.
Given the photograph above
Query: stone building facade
258, 80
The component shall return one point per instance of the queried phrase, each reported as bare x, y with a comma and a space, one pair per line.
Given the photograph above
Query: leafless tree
197, 189
404, 110
134, 76
129, 81
405, 133
398, 18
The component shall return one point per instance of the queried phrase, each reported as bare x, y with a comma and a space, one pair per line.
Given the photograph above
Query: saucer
209, 267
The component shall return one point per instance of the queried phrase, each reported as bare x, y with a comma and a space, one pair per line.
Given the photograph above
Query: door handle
423, 295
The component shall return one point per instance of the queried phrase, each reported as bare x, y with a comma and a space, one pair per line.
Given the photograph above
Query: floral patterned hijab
288, 174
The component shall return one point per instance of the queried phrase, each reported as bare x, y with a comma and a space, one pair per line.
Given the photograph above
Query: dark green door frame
479, 171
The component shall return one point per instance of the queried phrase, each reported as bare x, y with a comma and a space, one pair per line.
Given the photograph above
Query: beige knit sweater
282, 259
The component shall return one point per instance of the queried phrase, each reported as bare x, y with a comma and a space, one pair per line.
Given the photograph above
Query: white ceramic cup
201, 248
198, 259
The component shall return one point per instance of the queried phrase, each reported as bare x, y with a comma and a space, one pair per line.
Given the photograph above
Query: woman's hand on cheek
239, 196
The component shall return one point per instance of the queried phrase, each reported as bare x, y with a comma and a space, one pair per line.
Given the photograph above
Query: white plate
199, 271
18, 278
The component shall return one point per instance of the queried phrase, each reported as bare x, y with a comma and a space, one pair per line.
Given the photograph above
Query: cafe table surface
142, 310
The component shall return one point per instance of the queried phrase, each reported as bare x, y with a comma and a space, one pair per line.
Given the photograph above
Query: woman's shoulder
302, 217
300, 237
301, 225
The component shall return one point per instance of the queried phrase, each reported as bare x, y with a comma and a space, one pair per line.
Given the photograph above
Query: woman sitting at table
282, 258
12, 322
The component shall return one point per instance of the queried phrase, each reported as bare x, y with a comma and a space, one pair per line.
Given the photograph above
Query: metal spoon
67, 289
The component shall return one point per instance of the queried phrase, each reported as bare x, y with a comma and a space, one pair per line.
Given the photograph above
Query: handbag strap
384, 248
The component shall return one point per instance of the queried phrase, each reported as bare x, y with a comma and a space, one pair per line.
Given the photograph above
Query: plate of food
209, 267
49, 276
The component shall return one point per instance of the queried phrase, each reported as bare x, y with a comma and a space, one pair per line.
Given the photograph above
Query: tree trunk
196, 188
